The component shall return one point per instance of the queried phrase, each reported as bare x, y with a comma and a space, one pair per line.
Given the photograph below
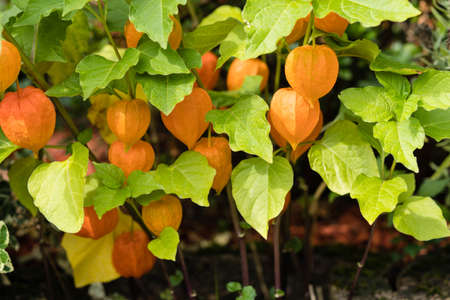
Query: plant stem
311, 213
102, 19
444, 165
132, 210
192, 294
191, 9
241, 236
276, 255
309, 28
362, 262
166, 275
276, 84
259, 271
197, 77
394, 163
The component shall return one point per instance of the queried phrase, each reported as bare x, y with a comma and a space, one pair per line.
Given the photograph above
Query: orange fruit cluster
311, 71
332, 23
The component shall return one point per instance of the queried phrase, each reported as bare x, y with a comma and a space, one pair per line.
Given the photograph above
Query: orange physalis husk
218, 153
187, 120
132, 36
10, 65
27, 118
332, 23
140, 156
239, 69
293, 116
165, 212
176, 35
130, 255
128, 120
208, 73
298, 31
312, 70
312, 137
95, 228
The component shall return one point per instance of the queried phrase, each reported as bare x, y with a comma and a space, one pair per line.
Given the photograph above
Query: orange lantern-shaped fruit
332, 23
298, 31
128, 120
132, 36
130, 255
187, 120
292, 116
276, 136
163, 213
140, 156
208, 73
10, 65
218, 153
312, 137
239, 69
176, 35
312, 70
27, 118
95, 228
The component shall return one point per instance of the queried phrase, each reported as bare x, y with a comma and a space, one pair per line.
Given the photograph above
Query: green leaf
4, 235
78, 39
190, 176
164, 92
269, 21
386, 63
259, 190
369, 13
6, 147
233, 45
246, 125
155, 60
248, 293
366, 131
92, 183
165, 245
421, 218
227, 98
105, 199
109, 174
18, 175
410, 181
5, 262
71, 5
234, 286
341, 156
51, 34
153, 196
432, 88
58, 189
401, 139
141, 183
117, 14
431, 188
371, 103
222, 13
152, 18
7, 14
376, 196
96, 72
192, 59
394, 83
204, 38
37, 9
436, 123
70, 87
85, 136
365, 49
